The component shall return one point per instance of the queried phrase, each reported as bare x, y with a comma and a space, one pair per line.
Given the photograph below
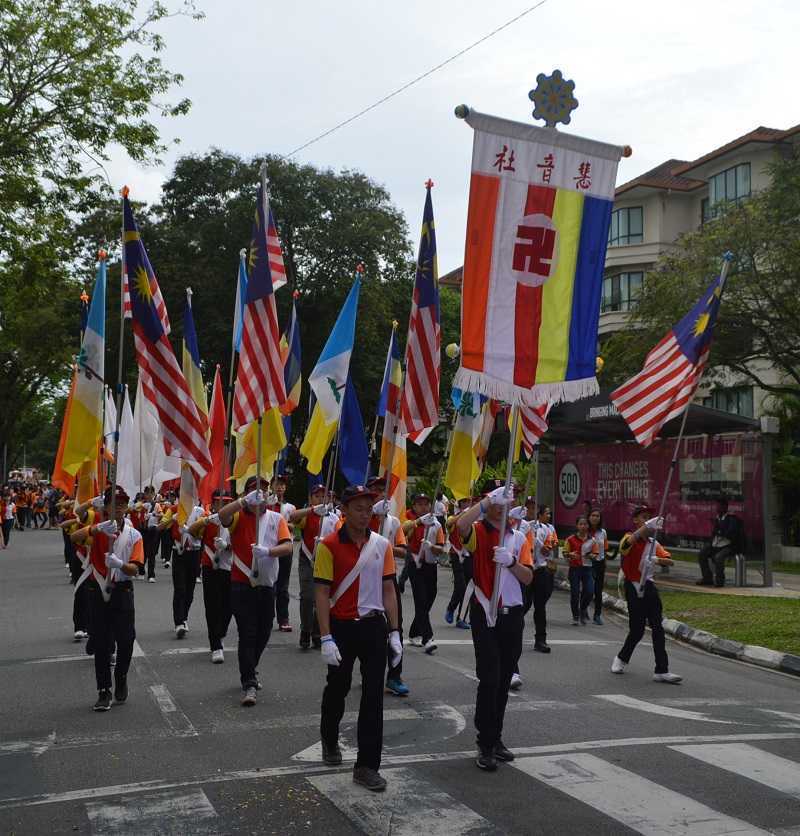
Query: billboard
616, 477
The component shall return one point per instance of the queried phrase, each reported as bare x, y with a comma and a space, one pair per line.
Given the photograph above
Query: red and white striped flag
420, 403
259, 379
667, 382
533, 425
276, 265
163, 382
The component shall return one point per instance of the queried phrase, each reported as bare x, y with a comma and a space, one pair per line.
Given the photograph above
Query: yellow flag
319, 436
273, 440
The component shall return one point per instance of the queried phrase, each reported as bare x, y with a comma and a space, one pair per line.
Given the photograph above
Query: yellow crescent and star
143, 285
701, 323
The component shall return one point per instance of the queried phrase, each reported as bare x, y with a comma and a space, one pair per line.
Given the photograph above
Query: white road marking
469, 674
35, 747
408, 807
176, 812
786, 715
387, 762
742, 759
163, 698
49, 659
137, 650
636, 802
185, 651
661, 710
313, 753
468, 642
173, 716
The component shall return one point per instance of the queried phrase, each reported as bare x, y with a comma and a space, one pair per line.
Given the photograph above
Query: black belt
508, 610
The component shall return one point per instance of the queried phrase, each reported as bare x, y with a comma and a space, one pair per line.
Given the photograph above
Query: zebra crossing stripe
773, 771
409, 806
176, 812
661, 709
636, 802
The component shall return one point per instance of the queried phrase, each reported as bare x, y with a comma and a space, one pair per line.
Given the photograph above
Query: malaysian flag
420, 403
163, 382
667, 382
259, 379
533, 425
276, 265
155, 291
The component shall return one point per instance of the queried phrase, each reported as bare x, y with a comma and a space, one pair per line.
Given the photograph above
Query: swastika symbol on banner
532, 249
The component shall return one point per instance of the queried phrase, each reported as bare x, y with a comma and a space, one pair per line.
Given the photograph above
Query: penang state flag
537, 226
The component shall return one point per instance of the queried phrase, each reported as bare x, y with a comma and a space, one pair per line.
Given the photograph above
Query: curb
752, 653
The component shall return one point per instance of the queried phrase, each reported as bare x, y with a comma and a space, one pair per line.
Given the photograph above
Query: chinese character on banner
533, 251
503, 164
547, 167
584, 178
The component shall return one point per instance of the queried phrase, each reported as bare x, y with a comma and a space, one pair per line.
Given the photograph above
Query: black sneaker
305, 640
90, 646
486, 760
502, 752
369, 778
331, 754
121, 690
542, 647
103, 700
316, 642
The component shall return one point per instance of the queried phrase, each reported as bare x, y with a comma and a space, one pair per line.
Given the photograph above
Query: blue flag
353, 449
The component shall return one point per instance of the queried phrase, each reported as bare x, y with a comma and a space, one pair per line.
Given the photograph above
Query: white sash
515, 546
375, 547
267, 536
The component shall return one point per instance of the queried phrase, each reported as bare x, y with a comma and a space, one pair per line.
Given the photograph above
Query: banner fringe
560, 391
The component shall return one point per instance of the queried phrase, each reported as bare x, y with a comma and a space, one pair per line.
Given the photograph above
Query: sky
670, 79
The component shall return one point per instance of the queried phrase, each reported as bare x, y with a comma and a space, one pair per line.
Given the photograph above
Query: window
729, 186
737, 400
626, 227
621, 292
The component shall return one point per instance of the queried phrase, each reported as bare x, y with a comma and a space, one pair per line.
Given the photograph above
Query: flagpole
648, 554
229, 405
118, 393
504, 519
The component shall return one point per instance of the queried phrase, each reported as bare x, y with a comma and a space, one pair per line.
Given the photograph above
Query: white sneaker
672, 678
217, 656
516, 682
430, 647
618, 666
180, 631
151, 580
79, 634
416, 641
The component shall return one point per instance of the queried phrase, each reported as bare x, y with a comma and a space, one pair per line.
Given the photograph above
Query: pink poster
616, 477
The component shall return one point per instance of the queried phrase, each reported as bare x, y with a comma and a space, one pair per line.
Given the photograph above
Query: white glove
213, 519
503, 556
254, 498
655, 523
114, 562
330, 652
517, 513
260, 551
320, 510
381, 508
219, 544
107, 527
131, 505
396, 646
498, 497
97, 502
427, 520
272, 499
586, 547
147, 507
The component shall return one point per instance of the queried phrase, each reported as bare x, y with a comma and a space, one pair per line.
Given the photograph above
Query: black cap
530, 500
352, 492
250, 484
639, 509
377, 482
121, 495
318, 487
419, 496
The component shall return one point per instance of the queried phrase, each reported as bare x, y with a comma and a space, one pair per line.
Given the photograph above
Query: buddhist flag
539, 209
85, 425
463, 467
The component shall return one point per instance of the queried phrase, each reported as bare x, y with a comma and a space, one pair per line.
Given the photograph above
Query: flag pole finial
189, 294
243, 253
429, 184
395, 323
360, 268
295, 294
727, 256
102, 254
125, 191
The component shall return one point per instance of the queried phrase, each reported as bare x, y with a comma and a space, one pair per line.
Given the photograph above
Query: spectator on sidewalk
727, 540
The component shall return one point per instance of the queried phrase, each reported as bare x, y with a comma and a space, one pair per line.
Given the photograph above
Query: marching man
499, 646
634, 548
254, 572
116, 553
355, 592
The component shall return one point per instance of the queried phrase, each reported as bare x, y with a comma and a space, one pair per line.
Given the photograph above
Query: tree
759, 321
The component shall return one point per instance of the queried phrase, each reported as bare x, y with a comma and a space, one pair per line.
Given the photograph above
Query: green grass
777, 565
769, 622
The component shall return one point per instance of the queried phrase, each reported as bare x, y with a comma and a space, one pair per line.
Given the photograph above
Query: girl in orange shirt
582, 551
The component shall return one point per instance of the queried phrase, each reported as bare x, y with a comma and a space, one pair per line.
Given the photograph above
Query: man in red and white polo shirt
254, 572
498, 646
355, 592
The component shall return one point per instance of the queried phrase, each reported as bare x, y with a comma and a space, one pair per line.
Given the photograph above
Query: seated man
726, 542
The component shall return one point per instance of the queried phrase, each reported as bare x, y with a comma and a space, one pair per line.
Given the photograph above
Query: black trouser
80, 600
22, 514
404, 572
69, 548
599, 572
165, 538
282, 589
542, 589
8, 525
710, 556
395, 672
459, 584
150, 542
365, 640
217, 601
253, 608
184, 575
497, 651
111, 623
423, 586
308, 615
646, 609
581, 589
